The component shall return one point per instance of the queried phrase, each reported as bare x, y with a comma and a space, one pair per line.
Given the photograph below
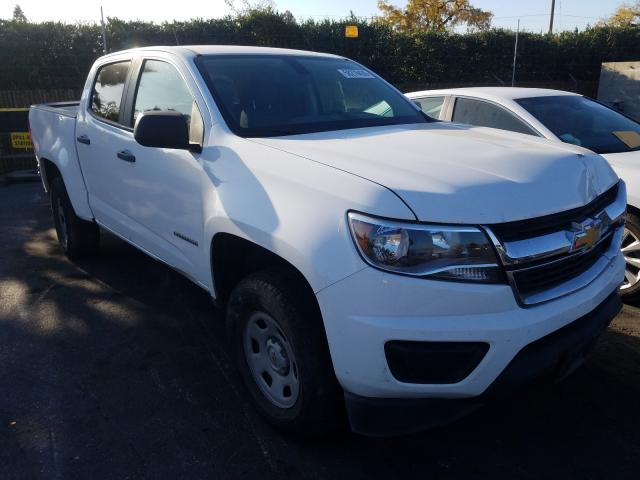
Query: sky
533, 14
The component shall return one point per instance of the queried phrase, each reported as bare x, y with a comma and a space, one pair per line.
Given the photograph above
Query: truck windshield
580, 121
274, 95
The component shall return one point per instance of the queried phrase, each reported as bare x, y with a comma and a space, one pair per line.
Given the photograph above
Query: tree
18, 14
249, 6
433, 15
626, 15
288, 17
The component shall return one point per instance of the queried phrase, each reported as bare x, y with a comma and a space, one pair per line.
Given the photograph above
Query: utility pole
515, 57
104, 32
553, 9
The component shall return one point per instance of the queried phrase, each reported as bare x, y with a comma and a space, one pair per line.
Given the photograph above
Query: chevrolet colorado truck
372, 261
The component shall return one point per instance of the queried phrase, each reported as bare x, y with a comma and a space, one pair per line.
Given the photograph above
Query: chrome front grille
535, 227
552, 256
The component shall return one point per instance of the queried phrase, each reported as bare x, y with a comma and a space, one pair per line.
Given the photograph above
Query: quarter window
432, 106
485, 114
161, 88
106, 96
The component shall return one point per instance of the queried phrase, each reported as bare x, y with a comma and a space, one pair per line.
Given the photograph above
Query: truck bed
68, 109
53, 132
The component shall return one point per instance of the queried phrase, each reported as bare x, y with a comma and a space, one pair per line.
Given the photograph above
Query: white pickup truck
371, 260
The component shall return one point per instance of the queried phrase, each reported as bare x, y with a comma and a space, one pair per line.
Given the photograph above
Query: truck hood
458, 174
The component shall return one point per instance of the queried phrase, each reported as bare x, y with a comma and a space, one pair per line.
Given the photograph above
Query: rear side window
431, 106
485, 114
161, 88
106, 96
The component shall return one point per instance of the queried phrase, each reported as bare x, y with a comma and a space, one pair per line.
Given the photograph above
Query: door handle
84, 139
127, 156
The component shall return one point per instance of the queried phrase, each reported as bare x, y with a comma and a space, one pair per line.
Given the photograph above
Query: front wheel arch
234, 258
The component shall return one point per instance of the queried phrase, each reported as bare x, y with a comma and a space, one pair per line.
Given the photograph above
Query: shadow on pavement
116, 367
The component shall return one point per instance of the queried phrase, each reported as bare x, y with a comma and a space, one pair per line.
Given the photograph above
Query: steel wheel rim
631, 252
62, 224
271, 361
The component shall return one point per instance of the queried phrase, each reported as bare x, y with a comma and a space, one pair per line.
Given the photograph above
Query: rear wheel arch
51, 172
76, 236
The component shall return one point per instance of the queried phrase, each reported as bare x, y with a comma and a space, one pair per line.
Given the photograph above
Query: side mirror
163, 129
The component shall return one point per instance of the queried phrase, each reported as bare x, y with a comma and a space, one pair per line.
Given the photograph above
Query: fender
291, 206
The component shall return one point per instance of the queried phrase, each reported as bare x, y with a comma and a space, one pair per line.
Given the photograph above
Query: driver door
161, 191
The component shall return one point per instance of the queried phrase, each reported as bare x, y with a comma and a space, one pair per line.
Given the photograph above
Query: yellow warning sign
351, 31
21, 141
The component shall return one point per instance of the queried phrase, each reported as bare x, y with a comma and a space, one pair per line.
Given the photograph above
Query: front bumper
555, 355
370, 308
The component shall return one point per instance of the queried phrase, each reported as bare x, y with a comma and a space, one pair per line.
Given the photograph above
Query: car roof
494, 93
194, 50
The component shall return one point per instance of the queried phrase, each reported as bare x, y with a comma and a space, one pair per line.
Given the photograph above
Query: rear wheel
282, 353
630, 289
77, 237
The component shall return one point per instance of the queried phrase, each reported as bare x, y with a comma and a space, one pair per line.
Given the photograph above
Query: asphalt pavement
117, 367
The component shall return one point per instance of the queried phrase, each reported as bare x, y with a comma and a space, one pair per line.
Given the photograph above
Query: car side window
161, 88
106, 97
485, 114
432, 106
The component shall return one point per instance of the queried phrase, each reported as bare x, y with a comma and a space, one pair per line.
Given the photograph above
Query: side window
106, 96
432, 106
162, 88
485, 114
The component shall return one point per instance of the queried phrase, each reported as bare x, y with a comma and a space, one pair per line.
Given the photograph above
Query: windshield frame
304, 128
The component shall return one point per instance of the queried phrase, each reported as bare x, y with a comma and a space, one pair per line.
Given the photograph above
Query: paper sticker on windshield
354, 73
630, 139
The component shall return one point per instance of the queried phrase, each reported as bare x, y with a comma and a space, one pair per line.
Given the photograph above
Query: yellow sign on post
351, 31
21, 141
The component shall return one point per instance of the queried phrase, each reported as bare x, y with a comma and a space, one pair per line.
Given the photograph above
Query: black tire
319, 405
77, 237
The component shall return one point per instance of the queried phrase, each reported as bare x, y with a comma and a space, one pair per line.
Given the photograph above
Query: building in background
619, 87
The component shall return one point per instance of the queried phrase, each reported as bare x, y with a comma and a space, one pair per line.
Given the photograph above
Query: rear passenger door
482, 113
100, 128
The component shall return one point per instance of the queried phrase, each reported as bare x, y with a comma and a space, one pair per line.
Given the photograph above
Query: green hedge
55, 55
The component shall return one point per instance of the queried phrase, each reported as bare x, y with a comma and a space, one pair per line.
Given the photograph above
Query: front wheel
282, 354
630, 288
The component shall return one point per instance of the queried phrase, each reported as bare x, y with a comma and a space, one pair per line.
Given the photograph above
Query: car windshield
273, 95
580, 121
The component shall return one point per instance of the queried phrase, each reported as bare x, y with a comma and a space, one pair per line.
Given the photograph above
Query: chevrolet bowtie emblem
585, 235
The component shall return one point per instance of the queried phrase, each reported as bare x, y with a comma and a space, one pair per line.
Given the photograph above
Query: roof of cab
494, 93
191, 50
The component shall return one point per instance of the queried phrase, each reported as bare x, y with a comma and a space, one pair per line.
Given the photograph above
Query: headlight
434, 251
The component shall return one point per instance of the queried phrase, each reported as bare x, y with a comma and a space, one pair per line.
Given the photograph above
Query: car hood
623, 158
459, 174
